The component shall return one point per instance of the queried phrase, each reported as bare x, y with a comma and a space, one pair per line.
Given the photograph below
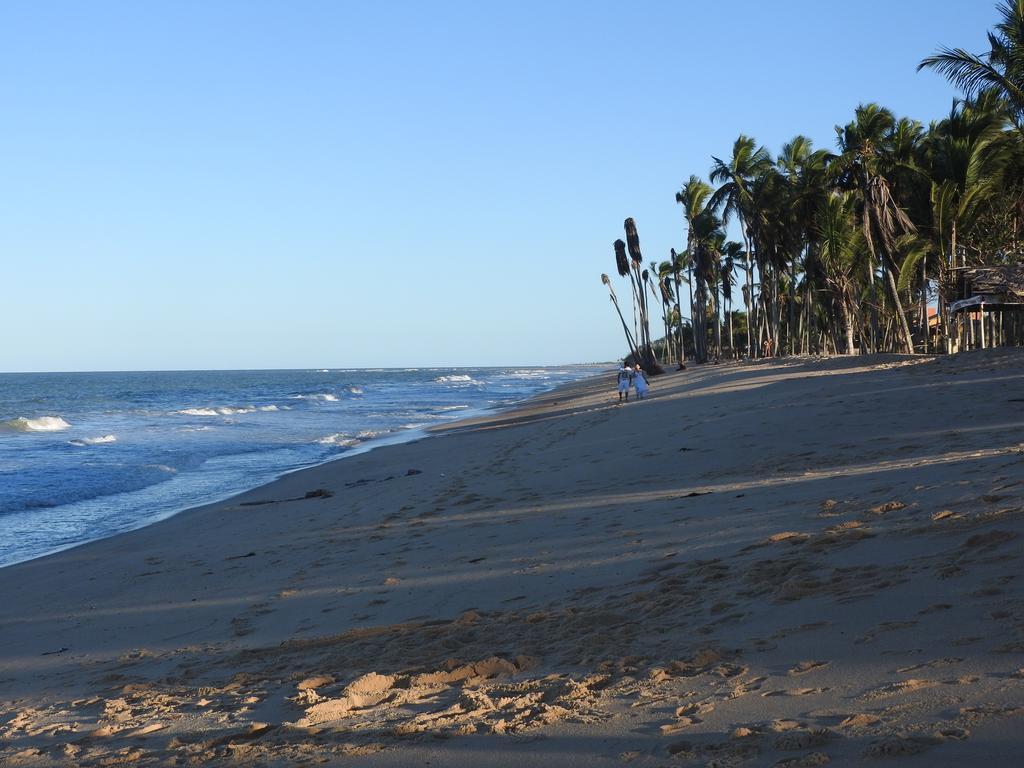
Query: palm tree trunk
845, 303
732, 338
718, 325
679, 328
749, 299
902, 327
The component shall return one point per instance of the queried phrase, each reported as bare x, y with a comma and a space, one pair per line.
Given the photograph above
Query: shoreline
397, 437
784, 559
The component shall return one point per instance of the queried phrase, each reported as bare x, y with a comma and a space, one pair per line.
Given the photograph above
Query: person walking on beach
624, 378
640, 382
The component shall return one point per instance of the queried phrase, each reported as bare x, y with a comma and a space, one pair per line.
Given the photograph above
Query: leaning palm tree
1001, 68
625, 328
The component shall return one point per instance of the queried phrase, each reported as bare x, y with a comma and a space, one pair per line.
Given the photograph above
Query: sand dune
786, 563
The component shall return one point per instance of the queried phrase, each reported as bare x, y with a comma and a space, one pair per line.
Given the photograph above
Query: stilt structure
985, 306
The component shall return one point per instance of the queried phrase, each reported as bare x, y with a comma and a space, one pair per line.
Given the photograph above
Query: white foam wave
162, 468
85, 441
458, 380
223, 410
325, 396
198, 412
269, 408
39, 424
356, 390
338, 438
441, 408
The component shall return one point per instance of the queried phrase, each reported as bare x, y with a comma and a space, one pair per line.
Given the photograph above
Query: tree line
846, 251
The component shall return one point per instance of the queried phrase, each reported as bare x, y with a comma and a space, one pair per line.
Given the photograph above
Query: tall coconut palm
804, 169
732, 252
734, 198
841, 244
705, 249
864, 163
679, 263
693, 197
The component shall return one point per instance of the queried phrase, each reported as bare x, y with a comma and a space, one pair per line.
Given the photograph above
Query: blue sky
316, 184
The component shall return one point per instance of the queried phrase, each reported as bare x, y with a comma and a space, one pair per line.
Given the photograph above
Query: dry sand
785, 563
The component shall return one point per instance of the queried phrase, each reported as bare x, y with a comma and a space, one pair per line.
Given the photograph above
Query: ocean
84, 456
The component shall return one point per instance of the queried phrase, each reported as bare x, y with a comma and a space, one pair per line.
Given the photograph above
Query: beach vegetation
866, 247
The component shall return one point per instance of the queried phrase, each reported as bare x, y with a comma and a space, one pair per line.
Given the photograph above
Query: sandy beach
785, 563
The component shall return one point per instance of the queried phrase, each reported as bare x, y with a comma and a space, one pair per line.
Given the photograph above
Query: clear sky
212, 184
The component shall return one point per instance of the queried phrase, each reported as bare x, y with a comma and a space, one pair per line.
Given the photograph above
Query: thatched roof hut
993, 287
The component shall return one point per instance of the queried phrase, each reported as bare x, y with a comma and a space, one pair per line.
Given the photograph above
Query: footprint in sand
803, 739
899, 688
807, 666
860, 720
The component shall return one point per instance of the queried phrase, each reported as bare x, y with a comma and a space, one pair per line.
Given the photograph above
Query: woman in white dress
640, 382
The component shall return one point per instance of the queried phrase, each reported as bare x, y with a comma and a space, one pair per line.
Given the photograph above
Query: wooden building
986, 306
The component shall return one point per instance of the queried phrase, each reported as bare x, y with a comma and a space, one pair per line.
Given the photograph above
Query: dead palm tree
648, 359
625, 328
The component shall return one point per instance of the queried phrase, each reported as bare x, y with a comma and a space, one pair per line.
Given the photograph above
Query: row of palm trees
844, 251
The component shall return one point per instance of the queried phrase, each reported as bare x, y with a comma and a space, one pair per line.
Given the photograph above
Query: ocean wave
197, 412
340, 439
268, 408
40, 424
86, 441
459, 379
224, 410
162, 468
445, 408
323, 396
356, 390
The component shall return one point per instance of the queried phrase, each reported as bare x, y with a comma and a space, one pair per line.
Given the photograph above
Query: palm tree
864, 163
1001, 68
680, 261
734, 198
705, 248
625, 328
967, 155
841, 245
804, 169
694, 197
648, 359
732, 252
